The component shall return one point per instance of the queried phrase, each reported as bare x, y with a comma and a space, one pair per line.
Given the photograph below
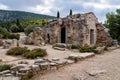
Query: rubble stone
99, 50
35, 37
35, 67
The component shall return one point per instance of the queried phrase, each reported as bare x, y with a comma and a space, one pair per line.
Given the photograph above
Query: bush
27, 77
35, 53
14, 28
1, 42
29, 29
25, 52
4, 67
75, 46
17, 51
23, 62
12, 36
86, 49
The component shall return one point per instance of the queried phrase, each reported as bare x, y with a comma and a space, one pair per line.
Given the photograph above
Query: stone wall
103, 36
35, 37
78, 29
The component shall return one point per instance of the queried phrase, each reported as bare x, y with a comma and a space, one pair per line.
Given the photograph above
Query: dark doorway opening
63, 35
48, 36
91, 36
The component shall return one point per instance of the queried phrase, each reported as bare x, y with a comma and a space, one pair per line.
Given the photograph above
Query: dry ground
109, 62
52, 53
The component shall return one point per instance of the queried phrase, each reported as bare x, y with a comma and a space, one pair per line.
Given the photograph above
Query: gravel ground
108, 62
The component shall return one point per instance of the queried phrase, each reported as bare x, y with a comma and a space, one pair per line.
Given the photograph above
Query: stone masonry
78, 29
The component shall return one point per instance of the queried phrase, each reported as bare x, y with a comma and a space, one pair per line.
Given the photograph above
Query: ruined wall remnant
35, 37
103, 35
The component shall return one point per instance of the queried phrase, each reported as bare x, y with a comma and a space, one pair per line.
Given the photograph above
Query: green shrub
35, 53
23, 62
14, 28
27, 77
17, 51
1, 43
29, 29
12, 36
86, 49
25, 52
75, 46
4, 67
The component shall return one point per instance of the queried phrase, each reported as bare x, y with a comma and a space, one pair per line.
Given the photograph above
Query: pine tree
58, 14
70, 12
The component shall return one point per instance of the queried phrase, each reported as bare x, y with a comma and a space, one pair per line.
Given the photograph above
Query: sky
50, 7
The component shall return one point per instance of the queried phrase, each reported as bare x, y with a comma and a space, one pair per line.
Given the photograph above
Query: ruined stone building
78, 29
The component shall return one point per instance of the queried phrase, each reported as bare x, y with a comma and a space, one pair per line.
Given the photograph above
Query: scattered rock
5, 72
60, 45
99, 50
79, 77
58, 48
45, 65
55, 59
24, 70
18, 67
95, 72
9, 74
73, 56
39, 61
85, 55
0, 60
35, 67
70, 61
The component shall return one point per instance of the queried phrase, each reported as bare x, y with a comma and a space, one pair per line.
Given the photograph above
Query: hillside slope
6, 15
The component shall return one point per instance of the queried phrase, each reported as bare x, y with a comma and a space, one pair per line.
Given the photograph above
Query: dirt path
109, 62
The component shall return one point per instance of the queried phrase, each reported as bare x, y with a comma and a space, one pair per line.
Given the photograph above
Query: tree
70, 12
18, 23
113, 23
43, 22
3, 31
29, 29
14, 28
58, 14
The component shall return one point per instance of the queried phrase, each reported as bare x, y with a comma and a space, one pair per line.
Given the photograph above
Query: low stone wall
42, 65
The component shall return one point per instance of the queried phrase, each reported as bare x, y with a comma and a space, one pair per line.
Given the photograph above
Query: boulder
99, 50
70, 61
74, 57
18, 67
58, 48
44, 66
9, 74
55, 59
24, 70
35, 67
85, 55
60, 45
39, 61
5, 72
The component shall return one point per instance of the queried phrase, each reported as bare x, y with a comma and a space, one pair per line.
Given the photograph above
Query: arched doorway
63, 35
